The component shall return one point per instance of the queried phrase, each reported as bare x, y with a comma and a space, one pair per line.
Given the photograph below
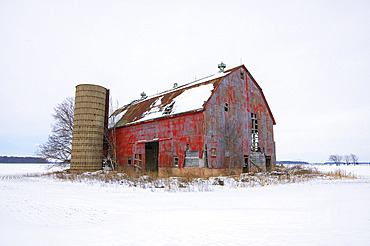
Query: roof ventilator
143, 96
222, 67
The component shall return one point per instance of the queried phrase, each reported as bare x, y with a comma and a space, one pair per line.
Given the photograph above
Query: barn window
242, 75
176, 161
255, 140
187, 146
129, 160
138, 160
213, 152
226, 107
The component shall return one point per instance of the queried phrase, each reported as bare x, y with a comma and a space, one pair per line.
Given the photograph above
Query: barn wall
258, 105
173, 134
228, 133
223, 140
228, 151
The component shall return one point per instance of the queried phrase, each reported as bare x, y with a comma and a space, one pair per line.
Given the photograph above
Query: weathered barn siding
226, 117
219, 133
259, 106
228, 121
174, 134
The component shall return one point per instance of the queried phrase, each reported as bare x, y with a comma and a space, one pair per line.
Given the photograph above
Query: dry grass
189, 182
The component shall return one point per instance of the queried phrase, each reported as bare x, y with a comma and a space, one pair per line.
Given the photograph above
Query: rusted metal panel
173, 135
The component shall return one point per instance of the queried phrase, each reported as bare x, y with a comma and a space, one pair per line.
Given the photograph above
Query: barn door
151, 156
268, 163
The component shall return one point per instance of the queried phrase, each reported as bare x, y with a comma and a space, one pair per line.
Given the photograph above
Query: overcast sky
311, 58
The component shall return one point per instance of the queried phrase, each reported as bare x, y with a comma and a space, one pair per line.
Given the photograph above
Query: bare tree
59, 144
354, 159
110, 137
347, 159
336, 159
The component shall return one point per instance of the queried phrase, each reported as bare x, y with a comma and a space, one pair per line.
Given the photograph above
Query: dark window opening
242, 75
205, 156
176, 161
187, 146
226, 107
213, 152
246, 165
268, 163
129, 160
255, 141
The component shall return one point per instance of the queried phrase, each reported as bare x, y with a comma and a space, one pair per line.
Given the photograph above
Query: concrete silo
90, 124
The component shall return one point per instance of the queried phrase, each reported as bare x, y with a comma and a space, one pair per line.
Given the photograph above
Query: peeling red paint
203, 130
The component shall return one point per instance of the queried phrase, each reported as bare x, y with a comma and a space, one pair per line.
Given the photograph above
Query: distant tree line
16, 159
292, 162
348, 159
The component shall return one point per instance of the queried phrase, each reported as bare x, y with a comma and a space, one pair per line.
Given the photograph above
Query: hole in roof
168, 109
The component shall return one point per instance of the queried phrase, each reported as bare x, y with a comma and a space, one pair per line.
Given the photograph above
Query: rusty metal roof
186, 98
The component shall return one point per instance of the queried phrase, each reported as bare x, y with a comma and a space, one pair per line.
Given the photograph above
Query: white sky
311, 59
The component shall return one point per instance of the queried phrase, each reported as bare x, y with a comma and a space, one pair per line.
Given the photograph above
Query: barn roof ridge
149, 108
181, 87
141, 110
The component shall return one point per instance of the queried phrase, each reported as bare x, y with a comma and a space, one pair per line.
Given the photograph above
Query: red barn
217, 123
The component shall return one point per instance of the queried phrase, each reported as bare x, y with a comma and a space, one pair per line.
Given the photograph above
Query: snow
196, 82
22, 169
151, 114
115, 118
191, 99
44, 211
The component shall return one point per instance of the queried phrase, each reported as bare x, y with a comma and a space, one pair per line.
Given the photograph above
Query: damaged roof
183, 99
186, 98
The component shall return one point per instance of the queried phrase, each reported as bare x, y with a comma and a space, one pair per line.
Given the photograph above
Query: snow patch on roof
191, 99
193, 83
114, 118
158, 102
154, 112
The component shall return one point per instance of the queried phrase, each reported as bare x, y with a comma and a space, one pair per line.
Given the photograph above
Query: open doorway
151, 156
246, 164
268, 163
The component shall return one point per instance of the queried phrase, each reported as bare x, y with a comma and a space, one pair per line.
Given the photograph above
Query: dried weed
189, 182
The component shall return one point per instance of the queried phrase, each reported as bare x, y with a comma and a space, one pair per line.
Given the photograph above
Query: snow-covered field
44, 211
